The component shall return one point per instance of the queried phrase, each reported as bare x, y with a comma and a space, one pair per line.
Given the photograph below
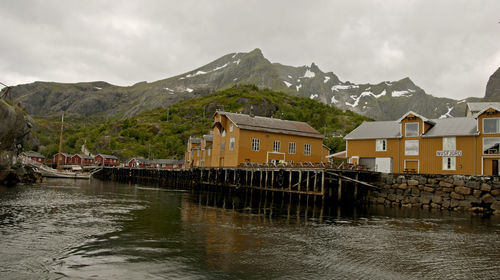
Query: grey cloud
449, 48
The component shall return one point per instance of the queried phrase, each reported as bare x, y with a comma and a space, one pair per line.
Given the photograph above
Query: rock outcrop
15, 134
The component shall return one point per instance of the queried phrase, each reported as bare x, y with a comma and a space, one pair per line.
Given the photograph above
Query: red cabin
82, 159
34, 156
106, 160
63, 158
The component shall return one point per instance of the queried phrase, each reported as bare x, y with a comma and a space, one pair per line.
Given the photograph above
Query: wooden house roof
462, 126
33, 154
272, 125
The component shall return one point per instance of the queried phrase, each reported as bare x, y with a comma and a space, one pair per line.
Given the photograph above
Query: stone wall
451, 192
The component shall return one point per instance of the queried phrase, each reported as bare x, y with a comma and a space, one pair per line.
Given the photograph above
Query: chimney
251, 111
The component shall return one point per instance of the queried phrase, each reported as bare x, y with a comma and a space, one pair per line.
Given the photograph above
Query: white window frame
291, 148
407, 153
276, 146
449, 143
231, 144
381, 142
231, 127
255, 144
487, 138
307, 149
497, 126
449, 163
412, 123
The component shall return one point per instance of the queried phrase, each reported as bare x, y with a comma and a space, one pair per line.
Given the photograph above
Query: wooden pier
325, 183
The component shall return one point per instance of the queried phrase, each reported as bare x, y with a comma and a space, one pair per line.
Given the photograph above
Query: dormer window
411, 129
491, 125
230, 127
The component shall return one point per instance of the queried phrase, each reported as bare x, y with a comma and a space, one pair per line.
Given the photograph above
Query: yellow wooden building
193, 155
415, 144
239, 138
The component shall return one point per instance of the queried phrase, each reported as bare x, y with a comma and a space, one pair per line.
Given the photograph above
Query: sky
448, 48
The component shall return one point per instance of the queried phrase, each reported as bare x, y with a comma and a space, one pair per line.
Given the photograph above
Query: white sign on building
451, 153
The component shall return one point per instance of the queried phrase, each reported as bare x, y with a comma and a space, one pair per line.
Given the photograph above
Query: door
369, 163
494, 167
383, 165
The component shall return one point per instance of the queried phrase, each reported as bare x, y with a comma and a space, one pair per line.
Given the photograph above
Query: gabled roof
416, 115
83, 156
208, 138
195, 140
462, 126
107, 156
168, 161
375, 130
497, 108
33, 154
272, 125
478, 106
64, 154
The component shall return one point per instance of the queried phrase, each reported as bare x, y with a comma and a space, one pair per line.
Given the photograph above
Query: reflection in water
104, 230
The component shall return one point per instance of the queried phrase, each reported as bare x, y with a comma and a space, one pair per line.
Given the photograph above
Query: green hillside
163, 133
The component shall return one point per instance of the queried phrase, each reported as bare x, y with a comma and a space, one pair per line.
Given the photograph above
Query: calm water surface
101, 230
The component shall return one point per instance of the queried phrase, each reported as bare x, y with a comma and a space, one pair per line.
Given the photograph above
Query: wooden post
307, 184
260, 179
234, 176
356, 188
323, 183
272, 179
315, 179
300, 180
251, 179
290, 179
339, 191
265, 183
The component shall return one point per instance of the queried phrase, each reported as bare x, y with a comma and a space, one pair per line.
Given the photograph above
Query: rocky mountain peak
493, 87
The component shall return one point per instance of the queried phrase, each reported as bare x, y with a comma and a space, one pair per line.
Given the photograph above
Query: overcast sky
448, 48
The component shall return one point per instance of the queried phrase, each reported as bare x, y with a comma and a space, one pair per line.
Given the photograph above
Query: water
68, 229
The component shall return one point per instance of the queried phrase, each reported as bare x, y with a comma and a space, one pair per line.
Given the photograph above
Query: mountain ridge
382, 101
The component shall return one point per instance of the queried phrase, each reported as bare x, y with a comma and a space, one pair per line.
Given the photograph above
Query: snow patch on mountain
309, 74
343, 87
189, 89
314, 96
287, 83
401, 93
357, 98
237, 61
326, 79
447, 114
290, 77
298, 87
334, 101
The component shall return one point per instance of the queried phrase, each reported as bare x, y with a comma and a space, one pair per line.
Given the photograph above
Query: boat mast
59, 156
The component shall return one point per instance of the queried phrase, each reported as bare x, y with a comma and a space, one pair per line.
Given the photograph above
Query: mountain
493, 87
164, 133
387, 100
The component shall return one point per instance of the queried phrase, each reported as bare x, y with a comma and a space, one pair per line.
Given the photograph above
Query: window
197, 153
222, 146
411, 129
381, 145
231, 143
449, 163
291, 148
208, 152
231, 127
491, 125
449, 143
223, 133
255, 144
307, 149
276, 146
491, 145
411, 147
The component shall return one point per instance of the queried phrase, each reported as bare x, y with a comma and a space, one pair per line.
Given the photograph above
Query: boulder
463, 190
